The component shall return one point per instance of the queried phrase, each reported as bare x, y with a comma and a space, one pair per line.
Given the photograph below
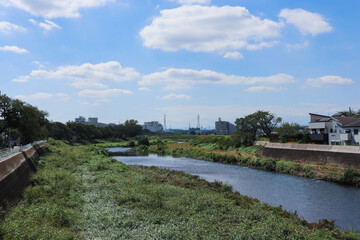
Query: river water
313, 200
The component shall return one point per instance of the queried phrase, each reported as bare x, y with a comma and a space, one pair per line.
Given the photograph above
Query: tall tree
289, 132
262, 120
27, 119
350, 113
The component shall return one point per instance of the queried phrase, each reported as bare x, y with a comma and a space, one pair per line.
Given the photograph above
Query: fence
16, 149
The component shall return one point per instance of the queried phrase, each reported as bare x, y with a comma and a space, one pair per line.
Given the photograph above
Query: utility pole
165, 129
198, 124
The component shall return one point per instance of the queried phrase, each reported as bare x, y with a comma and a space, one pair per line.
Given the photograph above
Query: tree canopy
350, 113
260, 120
27, 119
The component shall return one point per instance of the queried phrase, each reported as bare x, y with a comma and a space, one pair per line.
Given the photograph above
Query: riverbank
247, 156
80, 193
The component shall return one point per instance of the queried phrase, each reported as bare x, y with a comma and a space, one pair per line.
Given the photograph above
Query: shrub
349, 176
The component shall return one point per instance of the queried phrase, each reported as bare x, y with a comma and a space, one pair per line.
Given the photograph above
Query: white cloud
306, 22
189, 2
63, 96
21, 79
35, 96
54, 8
209, 28
174, 96
328, 81
14, 49
233, 55
88, 75
103, 94
297, 46
7, 27
263, 89
175, 79
47, 25
39, 64
144, 89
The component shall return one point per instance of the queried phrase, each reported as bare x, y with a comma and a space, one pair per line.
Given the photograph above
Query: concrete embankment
15, 173
342, 156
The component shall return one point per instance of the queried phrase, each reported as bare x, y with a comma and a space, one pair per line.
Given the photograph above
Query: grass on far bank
79, 193
247, 156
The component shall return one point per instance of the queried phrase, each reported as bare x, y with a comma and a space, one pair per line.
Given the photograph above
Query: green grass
79, 193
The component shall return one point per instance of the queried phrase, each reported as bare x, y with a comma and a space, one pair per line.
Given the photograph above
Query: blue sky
141, 59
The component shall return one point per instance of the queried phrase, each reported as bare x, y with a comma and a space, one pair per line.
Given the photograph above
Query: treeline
79, 131
23, 123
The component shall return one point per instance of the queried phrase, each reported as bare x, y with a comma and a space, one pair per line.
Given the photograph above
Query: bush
349, 176
144, 141
131, 144
308, 171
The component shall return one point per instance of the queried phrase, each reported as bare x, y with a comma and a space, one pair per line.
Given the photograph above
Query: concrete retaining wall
15, 173
343, 156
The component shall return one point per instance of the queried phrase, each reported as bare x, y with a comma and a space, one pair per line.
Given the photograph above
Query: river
312, 199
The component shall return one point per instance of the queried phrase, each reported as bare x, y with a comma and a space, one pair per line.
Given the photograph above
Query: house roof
345, 121
315, 114
353, 124
327, 119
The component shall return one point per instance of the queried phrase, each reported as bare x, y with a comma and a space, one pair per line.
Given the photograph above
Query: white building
153, 126
334, 130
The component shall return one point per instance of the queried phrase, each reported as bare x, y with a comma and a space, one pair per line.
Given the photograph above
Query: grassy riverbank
79, 193
247, 156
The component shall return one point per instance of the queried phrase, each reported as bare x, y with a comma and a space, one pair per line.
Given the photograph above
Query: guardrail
16, 149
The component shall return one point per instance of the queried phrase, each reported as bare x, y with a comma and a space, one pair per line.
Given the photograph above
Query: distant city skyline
121, 59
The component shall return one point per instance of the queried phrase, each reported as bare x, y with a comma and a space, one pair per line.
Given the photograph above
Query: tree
132, 128
60, 131
262, 120
1, 141
27, 119
267, 122
349, 113
289, 132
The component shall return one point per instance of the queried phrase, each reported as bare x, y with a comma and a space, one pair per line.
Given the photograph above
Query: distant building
224, 128
153, 126
80, 119
92, 121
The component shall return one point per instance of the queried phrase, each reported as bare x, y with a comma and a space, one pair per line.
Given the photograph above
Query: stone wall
343, 156
15, 173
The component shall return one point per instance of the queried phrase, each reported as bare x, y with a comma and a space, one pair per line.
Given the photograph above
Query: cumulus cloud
328, 81
7, 27
103, 94
14, 49
306, 22
54, 8
87, 75
209, 28
263, 89
35, 96
190, 2
233, 55
175, 79
21, 79
47, 25
174, 96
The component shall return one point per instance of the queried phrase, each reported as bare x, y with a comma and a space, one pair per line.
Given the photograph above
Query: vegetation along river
310, 199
